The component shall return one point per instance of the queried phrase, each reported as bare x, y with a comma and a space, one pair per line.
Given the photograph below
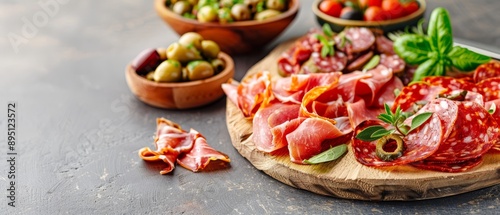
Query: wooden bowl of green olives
238, 28
187, 74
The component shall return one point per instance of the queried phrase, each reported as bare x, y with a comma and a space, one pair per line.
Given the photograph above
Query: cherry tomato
393, 8
411, 7
331, 7
369, 3
374, 13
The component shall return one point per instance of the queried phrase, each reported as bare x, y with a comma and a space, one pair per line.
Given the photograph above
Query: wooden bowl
387, 26
182, 95
233, 38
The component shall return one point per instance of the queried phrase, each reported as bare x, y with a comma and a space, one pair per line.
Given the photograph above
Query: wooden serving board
345, 177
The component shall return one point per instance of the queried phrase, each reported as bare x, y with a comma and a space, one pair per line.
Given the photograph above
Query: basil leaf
420, 119
325, 51
328, 155
465, 59
424, 69
439, 31
366, 134
374, 61
412, 48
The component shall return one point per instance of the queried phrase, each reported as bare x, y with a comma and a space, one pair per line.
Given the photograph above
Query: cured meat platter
347, 178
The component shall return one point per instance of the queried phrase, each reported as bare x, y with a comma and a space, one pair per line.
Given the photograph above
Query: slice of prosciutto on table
174, 145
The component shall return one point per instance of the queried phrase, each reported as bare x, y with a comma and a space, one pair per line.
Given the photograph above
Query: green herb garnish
328, 155
396, 119
374, 61
434, 52
327, 48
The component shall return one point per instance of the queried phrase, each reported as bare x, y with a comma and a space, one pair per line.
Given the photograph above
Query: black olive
353, 15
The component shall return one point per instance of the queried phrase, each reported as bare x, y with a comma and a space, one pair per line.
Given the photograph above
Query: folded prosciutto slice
202, 156
190, 149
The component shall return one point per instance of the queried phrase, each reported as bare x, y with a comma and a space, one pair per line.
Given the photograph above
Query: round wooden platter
345, 177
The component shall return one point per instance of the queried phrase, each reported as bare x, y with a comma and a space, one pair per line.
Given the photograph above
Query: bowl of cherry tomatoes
387, 15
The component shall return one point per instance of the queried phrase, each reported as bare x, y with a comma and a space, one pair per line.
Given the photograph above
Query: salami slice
359, 62
393, 62
487, 70
420, 92
354, 40
489, 88
449, 83
448, 167
317, 63
384, 45
419, 144
473, 134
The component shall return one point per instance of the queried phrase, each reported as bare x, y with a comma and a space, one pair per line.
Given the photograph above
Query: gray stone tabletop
79, 128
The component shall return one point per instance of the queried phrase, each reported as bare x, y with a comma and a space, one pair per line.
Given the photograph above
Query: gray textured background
79, 128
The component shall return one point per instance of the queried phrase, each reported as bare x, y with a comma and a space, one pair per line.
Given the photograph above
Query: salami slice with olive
418, 144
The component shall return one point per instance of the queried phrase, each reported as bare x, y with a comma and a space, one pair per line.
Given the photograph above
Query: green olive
266, 14
278, 5
226, 3
225, 15
218, 65
181, 53
198, 70
207, 13
240, 12
182, 7
210, 49
150, 76
191, 39
168, 71
389, 155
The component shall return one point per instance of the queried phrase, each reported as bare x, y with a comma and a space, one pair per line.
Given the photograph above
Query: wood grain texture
346, 178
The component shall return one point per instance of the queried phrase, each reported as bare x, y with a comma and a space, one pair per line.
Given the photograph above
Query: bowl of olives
386, 15
238, 27
187, 74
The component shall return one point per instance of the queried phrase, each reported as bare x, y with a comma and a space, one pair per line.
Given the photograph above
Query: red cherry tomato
411, 7
369, 3
374, 13
331, 7
393, 8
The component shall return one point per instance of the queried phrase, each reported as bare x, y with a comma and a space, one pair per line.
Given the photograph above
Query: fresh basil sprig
434, 52
396, 119
328, 155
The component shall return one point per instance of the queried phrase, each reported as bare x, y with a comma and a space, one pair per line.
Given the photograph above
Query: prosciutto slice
202, 156
173, 143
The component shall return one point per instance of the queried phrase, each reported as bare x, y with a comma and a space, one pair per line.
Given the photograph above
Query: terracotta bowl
387, 26
182, 95
233, 38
